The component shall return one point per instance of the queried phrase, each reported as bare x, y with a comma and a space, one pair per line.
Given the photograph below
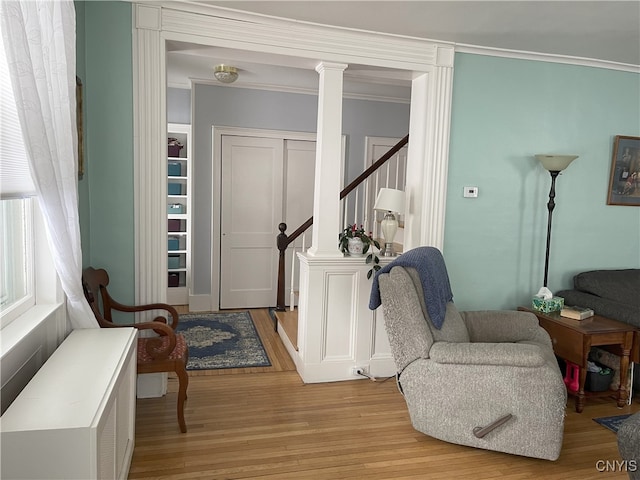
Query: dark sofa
613, 294
610, 293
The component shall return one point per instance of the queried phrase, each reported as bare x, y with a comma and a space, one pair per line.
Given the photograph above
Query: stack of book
575, 312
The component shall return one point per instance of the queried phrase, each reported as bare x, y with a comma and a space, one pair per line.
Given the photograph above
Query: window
16, 208
26, 264
16, 258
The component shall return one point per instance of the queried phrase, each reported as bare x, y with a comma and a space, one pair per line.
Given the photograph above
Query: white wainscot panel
381, 361
340, 312
336, 329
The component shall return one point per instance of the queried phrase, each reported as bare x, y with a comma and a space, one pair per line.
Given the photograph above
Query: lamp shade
556, 163
390, 200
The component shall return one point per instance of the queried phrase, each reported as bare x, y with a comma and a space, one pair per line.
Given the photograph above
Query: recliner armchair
629, 445
484, 379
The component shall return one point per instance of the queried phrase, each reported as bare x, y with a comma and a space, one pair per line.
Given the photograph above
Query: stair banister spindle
378, 187
355, 206
292, 295
388, 167
345, 209
366, 212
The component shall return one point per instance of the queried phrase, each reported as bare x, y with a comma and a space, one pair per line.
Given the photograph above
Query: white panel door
252, 208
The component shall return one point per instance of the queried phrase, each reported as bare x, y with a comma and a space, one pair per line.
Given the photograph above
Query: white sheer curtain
40, 44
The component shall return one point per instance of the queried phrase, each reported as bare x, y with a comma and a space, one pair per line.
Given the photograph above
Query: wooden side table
572, 340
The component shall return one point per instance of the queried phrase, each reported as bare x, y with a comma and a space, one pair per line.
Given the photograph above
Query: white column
150, 172
436, 174
326, 201
416, 161
428, 155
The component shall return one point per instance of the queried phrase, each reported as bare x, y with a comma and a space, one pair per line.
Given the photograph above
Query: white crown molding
232, 29
546, 57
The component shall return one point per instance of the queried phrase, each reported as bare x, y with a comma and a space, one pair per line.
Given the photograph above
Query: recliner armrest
500, 354
501, 326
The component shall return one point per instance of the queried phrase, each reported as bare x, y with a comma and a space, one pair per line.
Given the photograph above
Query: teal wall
107, 189
505, 111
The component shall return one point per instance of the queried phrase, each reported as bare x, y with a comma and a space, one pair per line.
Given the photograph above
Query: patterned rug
222, 340
612, 423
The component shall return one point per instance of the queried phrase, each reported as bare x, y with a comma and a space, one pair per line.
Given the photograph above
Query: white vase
355, 247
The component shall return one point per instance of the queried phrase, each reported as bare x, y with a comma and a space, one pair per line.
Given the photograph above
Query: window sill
21, 327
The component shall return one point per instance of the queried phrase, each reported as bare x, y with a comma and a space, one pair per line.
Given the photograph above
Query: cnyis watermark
617, 465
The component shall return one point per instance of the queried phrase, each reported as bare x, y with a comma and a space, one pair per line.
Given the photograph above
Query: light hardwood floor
266, 424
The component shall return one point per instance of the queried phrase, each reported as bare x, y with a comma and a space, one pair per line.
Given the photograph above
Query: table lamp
391, 201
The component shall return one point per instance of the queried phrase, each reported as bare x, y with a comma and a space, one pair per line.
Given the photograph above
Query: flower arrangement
352, 231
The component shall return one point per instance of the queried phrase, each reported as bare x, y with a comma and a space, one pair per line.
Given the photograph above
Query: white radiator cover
76, 417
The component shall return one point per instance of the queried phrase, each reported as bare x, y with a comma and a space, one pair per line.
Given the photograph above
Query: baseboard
151, 385
200, 303
291, 350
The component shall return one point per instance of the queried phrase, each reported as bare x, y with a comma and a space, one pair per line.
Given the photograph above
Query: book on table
575, 312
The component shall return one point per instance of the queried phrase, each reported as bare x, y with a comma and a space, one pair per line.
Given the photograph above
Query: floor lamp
554, 164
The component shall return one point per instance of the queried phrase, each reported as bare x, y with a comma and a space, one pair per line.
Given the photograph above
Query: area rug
612, 423
222, 340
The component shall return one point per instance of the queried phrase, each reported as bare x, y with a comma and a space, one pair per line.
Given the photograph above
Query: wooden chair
165, 352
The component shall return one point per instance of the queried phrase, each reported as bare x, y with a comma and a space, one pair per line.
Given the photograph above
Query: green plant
352, 231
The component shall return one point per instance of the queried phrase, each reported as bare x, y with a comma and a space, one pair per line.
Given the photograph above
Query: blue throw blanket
429, 263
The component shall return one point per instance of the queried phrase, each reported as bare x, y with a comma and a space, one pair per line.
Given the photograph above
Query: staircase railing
283, 240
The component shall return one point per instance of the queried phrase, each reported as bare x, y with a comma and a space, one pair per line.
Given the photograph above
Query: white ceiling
599, 30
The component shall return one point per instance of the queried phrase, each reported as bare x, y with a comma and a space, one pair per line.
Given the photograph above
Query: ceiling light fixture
225, 73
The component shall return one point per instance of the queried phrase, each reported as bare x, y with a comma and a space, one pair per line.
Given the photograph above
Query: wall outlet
358, 370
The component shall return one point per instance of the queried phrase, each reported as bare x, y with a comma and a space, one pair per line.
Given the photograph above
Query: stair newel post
283, 243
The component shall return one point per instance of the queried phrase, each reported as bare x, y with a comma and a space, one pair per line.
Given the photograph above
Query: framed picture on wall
624, 183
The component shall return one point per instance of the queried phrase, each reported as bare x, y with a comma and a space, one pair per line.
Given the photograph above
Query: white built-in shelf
178, 279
